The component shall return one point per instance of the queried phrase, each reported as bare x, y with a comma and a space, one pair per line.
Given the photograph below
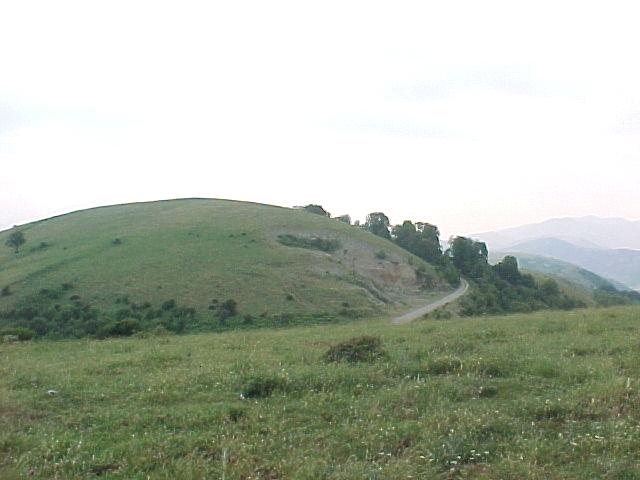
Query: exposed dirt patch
391, 279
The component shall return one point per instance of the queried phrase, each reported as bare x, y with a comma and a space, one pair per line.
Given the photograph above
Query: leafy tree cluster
499, 296
316, 209
503, 288
471, 258
378, 224
497, 289
52, 314
421, 239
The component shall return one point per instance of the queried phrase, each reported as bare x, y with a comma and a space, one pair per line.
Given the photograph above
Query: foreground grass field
548, 395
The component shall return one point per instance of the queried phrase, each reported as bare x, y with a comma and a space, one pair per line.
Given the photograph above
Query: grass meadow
550, 395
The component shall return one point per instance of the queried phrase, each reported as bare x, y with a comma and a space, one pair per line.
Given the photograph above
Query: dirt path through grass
429, 307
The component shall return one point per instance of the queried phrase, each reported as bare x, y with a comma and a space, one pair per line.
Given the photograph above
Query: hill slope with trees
203, 264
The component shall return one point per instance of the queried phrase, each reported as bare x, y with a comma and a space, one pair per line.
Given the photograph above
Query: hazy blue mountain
587, 232
620, 264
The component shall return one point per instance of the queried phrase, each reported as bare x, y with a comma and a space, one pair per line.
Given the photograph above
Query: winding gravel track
430, 307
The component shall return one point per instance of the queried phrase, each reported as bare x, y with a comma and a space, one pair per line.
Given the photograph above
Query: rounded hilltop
147, 261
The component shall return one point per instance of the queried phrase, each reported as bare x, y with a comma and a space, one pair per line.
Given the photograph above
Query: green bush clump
312, 243
50, 294
440, 314
21, 333
121, 328
444, 366
488, 391
366, 348
236, 414
168, 305
49, 314
5, 292
227, 309
263, 386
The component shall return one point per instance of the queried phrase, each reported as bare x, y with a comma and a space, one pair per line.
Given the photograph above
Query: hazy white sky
471, 115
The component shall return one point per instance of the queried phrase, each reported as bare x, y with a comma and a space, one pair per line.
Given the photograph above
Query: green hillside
551, 266
575, 281
129, 260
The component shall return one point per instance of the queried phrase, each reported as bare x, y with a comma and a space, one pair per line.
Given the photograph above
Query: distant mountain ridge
585, 232
620, 264
609, 247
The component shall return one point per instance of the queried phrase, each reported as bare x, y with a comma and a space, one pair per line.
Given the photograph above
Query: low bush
312, 243
40, 246
20, 333
236, 414
440, 314
227, 309
444, 366
357, 349
51, 294
380, 254
263, 386
168, 305
488, 391
121, 328
5, 292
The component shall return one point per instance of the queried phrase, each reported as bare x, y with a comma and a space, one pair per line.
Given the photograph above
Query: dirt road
429, 307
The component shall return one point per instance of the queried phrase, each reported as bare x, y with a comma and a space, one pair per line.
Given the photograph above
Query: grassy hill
130, 260
551, 395
577, 282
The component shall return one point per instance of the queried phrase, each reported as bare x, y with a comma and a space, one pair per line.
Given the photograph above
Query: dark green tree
16, 240
421, 239
316, 209
378, 224
507, 270
470, 257
344, 218
405, 236
229, 308
429, 236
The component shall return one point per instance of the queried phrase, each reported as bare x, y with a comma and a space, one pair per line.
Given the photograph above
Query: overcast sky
471, 115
